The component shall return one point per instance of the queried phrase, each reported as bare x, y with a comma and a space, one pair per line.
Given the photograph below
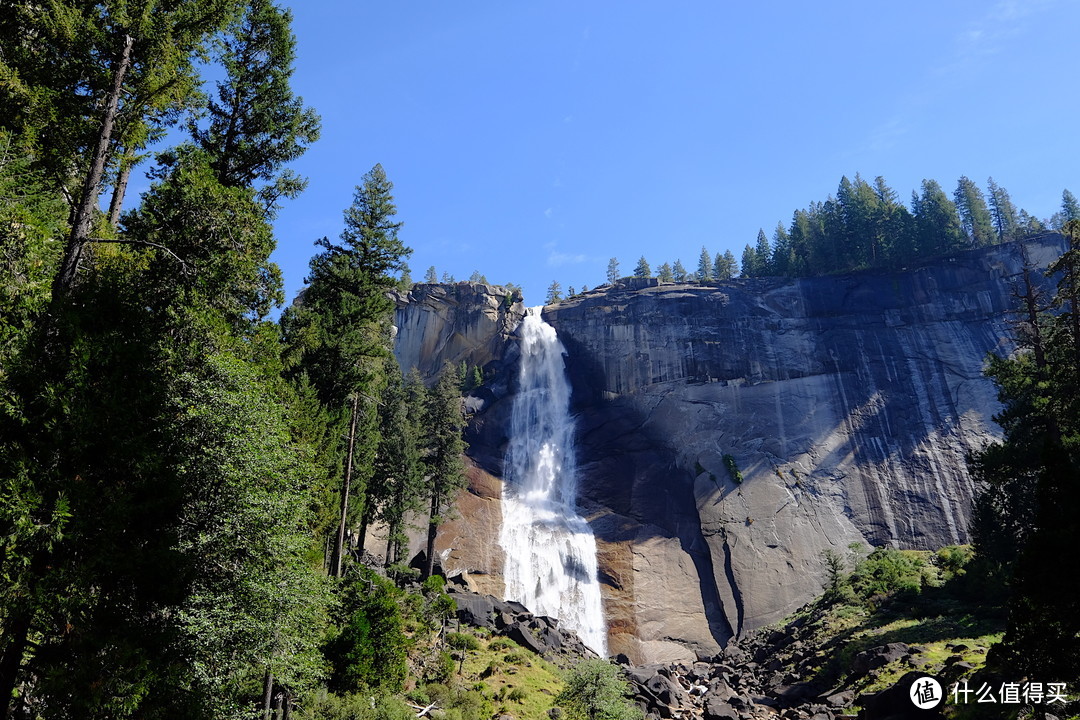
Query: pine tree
724, 267
665, 274
1070, 208
136, 60
936, 220
1025, 513
443, 466
704, 268
554, 293
256, 123
975, 220
679, 273
893, 227
396, 488
642, 269
612, 271
430, 277
1002, 212
339, 335
749, 263
781, 251
762, 254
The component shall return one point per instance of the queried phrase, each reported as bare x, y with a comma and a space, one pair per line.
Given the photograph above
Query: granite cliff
845, 403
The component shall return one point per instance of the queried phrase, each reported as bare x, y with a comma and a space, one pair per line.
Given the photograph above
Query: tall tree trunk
268, 691
339, 548
1031, 304
365, 521
432, 531
84, 217
120, 188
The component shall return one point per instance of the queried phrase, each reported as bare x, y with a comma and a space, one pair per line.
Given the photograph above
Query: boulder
877, 657
717, 709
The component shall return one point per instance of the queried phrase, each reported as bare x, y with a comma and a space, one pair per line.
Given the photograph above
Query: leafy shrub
732, 468
370, 649
517, 695
952, 559
501, 644
516, 658
886, 571
441, 670
354, 706
596, 690
462, 641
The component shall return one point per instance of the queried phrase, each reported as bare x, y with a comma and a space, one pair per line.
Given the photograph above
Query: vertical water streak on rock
550, 550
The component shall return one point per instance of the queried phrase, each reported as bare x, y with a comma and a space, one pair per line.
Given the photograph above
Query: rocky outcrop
846, 404
536, 633
729, 434
456, 323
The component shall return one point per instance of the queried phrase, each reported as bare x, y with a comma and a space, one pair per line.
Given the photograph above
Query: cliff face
847, 403
462, 322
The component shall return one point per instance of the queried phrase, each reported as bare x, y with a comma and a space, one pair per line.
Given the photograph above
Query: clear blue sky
533, 140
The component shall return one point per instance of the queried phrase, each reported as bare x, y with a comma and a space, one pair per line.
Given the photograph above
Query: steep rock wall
460, 322
848, 404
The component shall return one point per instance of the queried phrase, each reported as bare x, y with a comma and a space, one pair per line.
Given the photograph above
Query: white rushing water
550, 550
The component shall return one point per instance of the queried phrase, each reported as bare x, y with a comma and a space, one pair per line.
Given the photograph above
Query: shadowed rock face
460, 322
848, 403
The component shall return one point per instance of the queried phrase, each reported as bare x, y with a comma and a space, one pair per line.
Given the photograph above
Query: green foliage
1025, 513
732, 468
554, 293
256, 123
501, 643
665, 274
459, 703
612, 271
1002, 212
705, 266
32, 217
462, 641
975, 217
443, 466
176, 467
724, 267
835, 578
679, 273
865, 226
887, 571
642, 269
596, 690
323, 705
952, 560
370, 648
396, 486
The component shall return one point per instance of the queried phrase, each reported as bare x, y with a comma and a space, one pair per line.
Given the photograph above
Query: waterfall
550, 550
